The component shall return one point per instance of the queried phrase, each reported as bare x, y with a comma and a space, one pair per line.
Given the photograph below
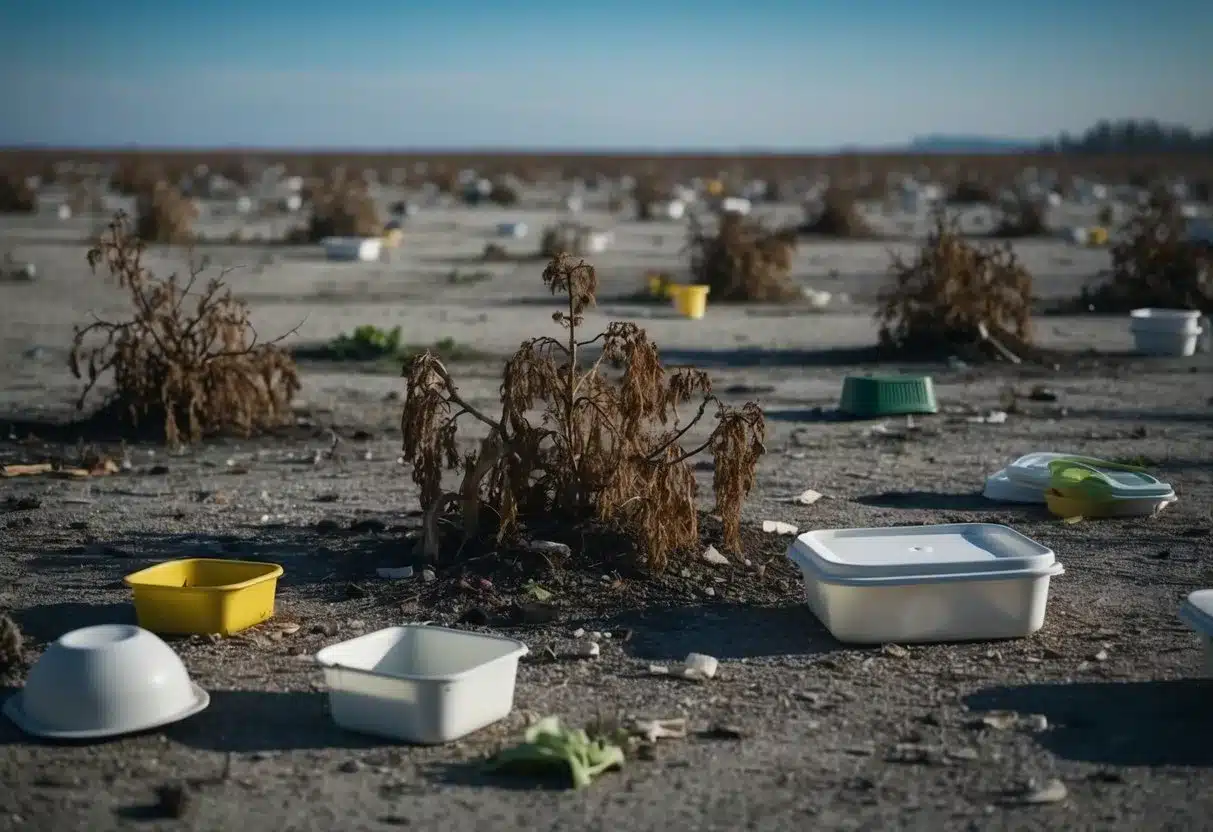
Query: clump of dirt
163, 215
12, 647
743, 260
187, 359
956, 295
16, 196
838, 216
604, 451
1156, 264
342, 208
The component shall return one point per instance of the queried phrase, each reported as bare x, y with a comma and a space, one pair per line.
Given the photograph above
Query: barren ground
831, 736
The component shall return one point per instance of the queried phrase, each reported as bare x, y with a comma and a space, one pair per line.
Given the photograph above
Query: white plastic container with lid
421, 684
1001, 488
953, 582
1197, 613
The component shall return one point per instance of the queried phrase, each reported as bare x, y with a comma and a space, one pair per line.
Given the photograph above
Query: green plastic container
870, 397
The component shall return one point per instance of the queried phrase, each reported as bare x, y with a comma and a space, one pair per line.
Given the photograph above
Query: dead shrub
504, 195
16, 196
743, 260
187, 358
956, 294
495, 253
1155, 264
163, 215
647, 193
971, 192
135, 176
838, 216
86, 198
574, 445
342, 208
1021, 217
563, 238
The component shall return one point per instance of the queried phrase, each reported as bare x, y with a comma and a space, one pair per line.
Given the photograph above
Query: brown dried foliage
343, 208
743, 260
563, 238
16, 197
1154, 264
163, 215
1021, 217
838, 217
188, 357
573, 444
504, 195
955, 293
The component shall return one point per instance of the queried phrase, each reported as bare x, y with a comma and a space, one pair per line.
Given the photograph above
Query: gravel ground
1103, 697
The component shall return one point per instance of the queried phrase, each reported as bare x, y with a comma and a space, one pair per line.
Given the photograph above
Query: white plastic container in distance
954, 582
421, 684
1197, 613
1172, 332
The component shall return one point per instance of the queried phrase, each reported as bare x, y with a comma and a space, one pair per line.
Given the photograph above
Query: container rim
808, 564
520, 650
1198, 619
274, 571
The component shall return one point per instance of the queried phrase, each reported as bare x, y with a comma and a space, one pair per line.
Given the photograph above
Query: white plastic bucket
1178, 344
421, 684
1197, 613
953, 582
1165, 320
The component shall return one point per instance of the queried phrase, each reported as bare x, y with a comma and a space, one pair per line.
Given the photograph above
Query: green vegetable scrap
549, 747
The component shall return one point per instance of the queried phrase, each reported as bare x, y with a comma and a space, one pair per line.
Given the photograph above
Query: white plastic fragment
548, 547
806, 497
586, 650
712, 556
700, 666
656, 729
778, 527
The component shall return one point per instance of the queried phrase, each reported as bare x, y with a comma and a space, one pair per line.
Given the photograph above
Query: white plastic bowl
104, 681
1154, 342
953, 582
1186, 321
1197, 613
421, 684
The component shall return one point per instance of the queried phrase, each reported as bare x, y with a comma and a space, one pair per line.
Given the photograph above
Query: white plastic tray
421, 684
954, 582
1197, 613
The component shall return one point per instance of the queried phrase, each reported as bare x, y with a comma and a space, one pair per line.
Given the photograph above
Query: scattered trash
699, 666
586, 650
994, 417
100, 468
548, 547
537, 592
652, 730
806, 497
550, 748
712, 556
1051, 791
779, 527
428, 576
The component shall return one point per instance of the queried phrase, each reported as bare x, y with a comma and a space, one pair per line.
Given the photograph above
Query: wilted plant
342, 208
163, 215
1021, 217
563, 238
647, 193
595, 450
16, 196
1155, 263
955, 293
187, 358
742, 260
838, 216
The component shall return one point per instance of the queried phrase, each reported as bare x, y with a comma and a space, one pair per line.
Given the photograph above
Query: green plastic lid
868, 397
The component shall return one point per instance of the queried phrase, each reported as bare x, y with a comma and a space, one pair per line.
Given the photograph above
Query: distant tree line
1134, 136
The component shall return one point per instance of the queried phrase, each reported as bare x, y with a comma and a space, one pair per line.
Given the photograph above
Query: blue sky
624, 74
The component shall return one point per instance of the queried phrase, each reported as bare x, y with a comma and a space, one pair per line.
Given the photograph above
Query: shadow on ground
48, 622
930, 501
726, 631
1116, 723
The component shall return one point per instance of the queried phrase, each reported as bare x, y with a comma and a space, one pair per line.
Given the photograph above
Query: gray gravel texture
830, 736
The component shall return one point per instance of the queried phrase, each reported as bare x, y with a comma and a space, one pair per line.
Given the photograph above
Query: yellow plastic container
204, 595
1097, 236
690, 301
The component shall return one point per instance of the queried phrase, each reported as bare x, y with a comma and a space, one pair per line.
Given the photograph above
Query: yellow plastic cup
690, 301
1097, 236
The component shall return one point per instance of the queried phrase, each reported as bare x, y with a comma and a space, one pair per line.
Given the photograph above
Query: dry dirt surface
795, 730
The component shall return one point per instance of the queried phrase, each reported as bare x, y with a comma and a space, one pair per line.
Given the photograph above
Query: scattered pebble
712, 556
700, 666
895, 650
428, 575
779, 527
1051, 791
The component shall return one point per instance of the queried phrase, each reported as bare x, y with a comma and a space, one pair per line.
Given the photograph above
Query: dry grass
163, 215
16, 197
188, 358
742, 260
956, 294
342, 208
573, 444
838, 217
1153, 264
